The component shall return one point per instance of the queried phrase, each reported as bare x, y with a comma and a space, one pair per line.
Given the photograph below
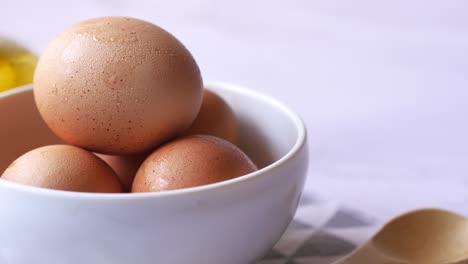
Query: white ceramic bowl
232, 222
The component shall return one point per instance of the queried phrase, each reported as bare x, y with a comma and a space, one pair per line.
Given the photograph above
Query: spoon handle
367, 254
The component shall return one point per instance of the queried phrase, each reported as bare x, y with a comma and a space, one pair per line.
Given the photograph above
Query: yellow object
17, 65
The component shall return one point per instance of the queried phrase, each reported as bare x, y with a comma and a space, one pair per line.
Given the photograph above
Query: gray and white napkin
321, 233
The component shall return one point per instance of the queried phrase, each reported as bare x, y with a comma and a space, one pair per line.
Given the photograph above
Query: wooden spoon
426, 236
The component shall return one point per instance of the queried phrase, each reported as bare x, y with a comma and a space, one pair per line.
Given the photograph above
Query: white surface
231, 222
382, 85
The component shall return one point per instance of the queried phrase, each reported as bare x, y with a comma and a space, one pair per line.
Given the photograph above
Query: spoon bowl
426, 236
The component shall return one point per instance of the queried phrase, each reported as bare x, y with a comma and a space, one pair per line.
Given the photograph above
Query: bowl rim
220, 85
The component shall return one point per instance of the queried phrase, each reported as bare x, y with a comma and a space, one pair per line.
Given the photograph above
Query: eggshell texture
125, 167
215, 118
63, 167
191, 161
117, 85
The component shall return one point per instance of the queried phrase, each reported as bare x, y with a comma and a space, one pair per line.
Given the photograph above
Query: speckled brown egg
191, 161
125, 167
63, 167
215, 118
117, 85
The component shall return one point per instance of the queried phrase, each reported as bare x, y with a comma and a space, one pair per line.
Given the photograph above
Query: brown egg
215, 118
117, 85
63, 167
191, 161
124, 166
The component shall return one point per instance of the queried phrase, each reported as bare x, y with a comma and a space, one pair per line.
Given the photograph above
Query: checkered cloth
321, 233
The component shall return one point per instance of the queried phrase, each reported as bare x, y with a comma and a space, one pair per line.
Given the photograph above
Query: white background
382, 85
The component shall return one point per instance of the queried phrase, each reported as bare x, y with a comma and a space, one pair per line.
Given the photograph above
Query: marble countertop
382, 86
